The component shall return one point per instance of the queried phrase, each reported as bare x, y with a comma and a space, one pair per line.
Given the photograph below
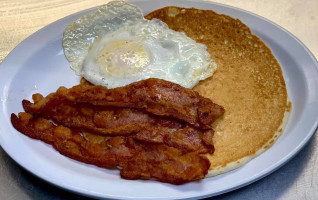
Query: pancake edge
242, 161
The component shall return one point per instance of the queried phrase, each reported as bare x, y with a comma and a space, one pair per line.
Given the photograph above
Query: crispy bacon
151, 129
101, 119
186, 139
125, 121
136, 160
156, 96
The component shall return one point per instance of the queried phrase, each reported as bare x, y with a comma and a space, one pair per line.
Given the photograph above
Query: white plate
38, 65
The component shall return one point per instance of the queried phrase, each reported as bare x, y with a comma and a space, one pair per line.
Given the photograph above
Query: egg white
129, 48
79, 35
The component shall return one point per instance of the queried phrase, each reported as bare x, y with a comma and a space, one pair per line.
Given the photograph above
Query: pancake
248, 83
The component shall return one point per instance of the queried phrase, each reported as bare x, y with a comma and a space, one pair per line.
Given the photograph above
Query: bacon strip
136, 160
156, 96
102, 120
124, 121
186, 139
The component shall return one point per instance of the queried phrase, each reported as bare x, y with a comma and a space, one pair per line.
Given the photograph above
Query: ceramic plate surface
38, 65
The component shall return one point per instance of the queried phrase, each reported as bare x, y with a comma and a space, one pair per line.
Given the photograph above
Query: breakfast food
136, 160
248, 83
83, 110
115, 46
156, 96
142, 144
154, 128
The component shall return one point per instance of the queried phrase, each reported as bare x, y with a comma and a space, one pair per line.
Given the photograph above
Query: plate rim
263, 174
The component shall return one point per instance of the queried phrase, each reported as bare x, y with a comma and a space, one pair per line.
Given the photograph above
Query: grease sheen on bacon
136, 160
112, 121
152, 129
156, 96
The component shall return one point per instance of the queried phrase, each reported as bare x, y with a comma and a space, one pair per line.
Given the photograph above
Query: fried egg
115, 46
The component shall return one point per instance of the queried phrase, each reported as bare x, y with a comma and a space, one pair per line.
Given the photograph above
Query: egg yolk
123, 58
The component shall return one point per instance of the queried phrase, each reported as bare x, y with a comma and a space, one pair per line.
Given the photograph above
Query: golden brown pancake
248, 83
